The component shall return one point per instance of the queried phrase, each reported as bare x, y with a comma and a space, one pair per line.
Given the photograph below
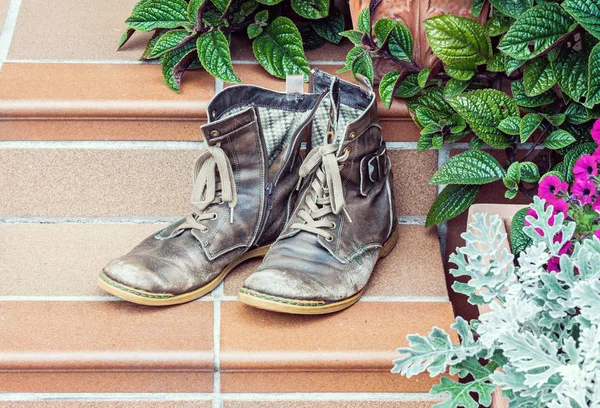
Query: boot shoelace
208, 191
327, 192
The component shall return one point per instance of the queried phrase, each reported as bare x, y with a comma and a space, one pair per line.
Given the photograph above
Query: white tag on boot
294, 84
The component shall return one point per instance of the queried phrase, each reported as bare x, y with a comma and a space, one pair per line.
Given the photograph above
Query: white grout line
403, 299
402, 220
102, 145
276, 396
217, 294
7, 29
76, 61
88, 220
443, 156
401, 145
74, 299
218, 85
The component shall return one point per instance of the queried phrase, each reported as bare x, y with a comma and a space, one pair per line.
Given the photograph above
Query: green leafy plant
539, 339
527, 82
194, 34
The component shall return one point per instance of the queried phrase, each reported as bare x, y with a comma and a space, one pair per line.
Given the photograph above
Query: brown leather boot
243, 195
345, 218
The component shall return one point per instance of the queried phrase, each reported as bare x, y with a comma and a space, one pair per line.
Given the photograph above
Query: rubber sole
166, 299
307, 307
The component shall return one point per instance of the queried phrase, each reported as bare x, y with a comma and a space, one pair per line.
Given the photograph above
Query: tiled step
98, 179
60, 334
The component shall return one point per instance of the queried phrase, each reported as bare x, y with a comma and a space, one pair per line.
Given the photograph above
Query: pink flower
560, 206
554, 262
531, 212
596, 154
596, 204
597, 234
584, 191
550, 187
585, 167
596, 132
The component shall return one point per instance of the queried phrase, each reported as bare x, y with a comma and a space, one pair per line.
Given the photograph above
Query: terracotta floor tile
399, 130
89, 30
269, 352
394, 275
55, 91
58, 182
326, 404
412, 171
110, 404
101, 337
62, 259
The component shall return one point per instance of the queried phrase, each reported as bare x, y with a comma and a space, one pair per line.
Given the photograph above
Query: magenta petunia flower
596, 154
596, 132
596, 204
531, 212
597, 234
550, 187
560, 206
584, 191
585, 167
554, 262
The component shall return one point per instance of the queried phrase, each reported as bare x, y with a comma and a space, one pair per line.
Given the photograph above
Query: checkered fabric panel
347, 114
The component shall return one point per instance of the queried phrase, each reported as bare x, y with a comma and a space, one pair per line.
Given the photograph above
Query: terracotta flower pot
506, 213
412, 13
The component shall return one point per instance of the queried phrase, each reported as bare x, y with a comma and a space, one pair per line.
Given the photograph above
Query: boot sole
141, 297
308, 307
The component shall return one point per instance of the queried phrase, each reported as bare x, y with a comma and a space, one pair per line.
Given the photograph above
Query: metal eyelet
205, 230
329, 238
333, 225
352, 135
347, 149
215, 133
214, 216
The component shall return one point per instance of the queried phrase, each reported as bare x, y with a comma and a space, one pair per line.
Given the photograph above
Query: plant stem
536, 143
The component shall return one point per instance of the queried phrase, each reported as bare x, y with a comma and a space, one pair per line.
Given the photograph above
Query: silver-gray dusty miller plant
540, 340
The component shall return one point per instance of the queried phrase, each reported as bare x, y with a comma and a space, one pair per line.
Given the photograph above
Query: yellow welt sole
166, 299
307, 307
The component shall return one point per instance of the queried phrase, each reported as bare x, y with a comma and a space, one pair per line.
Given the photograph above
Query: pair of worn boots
321, 222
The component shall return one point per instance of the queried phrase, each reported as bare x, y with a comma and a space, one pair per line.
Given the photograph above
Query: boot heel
389, 244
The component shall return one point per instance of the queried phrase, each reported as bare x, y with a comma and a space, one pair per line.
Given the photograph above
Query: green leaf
571, 72
458, 124
363, 64
426, 117
593, 95
484, 110
463, 71
254, 30
458, 39
454, 87
498, 25
512, 8
452, 201
125, 37
539, 27
513, 64
423, 76
213, 52
529, 125
513, 176
350, 57
221, 5
262, 17
521, 99
477, 7
387, 87
269, 2
159, 14
559, 139
425, 142
152, 42
529, 172
471, 167
279, 49
519, 241
437, 141
555, 120
577, 114
573, 155
432, 98
313, 9
409, 87
364, 21
354, 36
497, 63
193, 9
168, 41
330, 28
396, 37
174, 63
310, 39
511, 125
538, 77
511, 194
586, 12
461, 393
